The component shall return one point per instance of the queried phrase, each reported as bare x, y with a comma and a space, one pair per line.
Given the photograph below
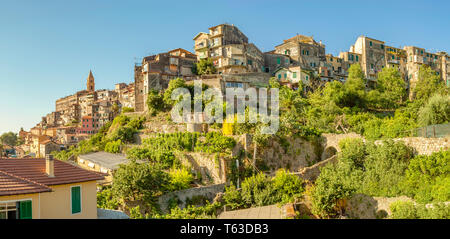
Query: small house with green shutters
38, 188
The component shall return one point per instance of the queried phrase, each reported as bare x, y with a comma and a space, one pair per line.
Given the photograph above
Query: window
285, 75
234, 85
16, 210
370, 43
278, 60
357, 58
306, 78
250, 62
382, 46
294, 75
75, 194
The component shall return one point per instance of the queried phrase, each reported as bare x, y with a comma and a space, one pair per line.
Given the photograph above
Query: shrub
180, 179
127, 109
287, 186
233, 197
114, 146
436, 111
428, 177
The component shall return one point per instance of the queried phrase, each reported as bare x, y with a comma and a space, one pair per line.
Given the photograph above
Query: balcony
201, 45
418, 59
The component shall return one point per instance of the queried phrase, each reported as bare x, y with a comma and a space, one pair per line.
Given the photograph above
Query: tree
354, 88
173, 84
428, 83
155, 102
391, 88
204, 66
139, 181
9, 138
436, 111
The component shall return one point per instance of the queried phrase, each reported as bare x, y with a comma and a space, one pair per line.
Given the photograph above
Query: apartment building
303, 51
156, 71
417, 57
445, 67
229, 50
373, 56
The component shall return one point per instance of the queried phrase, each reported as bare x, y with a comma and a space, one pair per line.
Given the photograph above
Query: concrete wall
209, 192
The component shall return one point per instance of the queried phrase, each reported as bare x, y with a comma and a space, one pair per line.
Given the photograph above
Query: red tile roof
13, 185
28, 175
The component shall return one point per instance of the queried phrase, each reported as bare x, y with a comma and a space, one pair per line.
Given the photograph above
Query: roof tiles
19, 176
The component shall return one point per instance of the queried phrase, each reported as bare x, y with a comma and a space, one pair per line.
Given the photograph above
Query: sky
48, 47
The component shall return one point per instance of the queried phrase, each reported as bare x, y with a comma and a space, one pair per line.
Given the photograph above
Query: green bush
428, 177
127, 109
106, 199
436, 111
114, 146
180, 179
408, 210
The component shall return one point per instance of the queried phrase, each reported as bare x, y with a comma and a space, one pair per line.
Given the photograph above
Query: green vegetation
388, 169
407, 210
428, 178
127, 109
109, 138
260, 190
9, 138
204, 67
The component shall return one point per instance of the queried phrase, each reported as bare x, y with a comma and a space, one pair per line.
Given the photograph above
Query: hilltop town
352, 130
239, 64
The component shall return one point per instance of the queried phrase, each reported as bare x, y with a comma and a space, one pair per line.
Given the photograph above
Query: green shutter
25, 210
294, 75
76, 199
278, 60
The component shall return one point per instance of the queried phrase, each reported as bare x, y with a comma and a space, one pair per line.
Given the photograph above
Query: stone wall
421, 145
295, 154
426, 146
313, 172
211, 166
209, 192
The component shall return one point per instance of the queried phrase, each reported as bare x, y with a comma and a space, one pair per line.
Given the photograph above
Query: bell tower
90, 82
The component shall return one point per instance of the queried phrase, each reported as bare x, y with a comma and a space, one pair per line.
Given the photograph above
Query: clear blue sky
48, 47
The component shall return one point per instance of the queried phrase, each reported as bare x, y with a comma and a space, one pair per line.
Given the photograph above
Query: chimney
49, 165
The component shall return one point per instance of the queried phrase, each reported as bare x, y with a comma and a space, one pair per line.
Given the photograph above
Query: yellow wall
24, 197
57, 204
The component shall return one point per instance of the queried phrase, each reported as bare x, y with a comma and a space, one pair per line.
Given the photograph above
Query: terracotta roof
32, 170
13, 185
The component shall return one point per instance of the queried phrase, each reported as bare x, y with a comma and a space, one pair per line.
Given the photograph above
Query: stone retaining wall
209, 192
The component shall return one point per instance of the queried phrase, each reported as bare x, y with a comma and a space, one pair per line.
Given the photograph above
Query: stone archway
329, 152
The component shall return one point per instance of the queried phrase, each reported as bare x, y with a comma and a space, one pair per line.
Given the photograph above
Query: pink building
89, 125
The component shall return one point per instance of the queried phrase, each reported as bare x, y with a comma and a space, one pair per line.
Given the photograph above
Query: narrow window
76, 199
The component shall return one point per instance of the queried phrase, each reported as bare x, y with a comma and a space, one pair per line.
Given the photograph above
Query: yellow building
46, 189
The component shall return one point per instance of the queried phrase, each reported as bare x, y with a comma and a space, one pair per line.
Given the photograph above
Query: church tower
90, 82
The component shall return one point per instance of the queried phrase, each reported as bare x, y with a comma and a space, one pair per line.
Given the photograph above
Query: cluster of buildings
239, 64
76, 117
